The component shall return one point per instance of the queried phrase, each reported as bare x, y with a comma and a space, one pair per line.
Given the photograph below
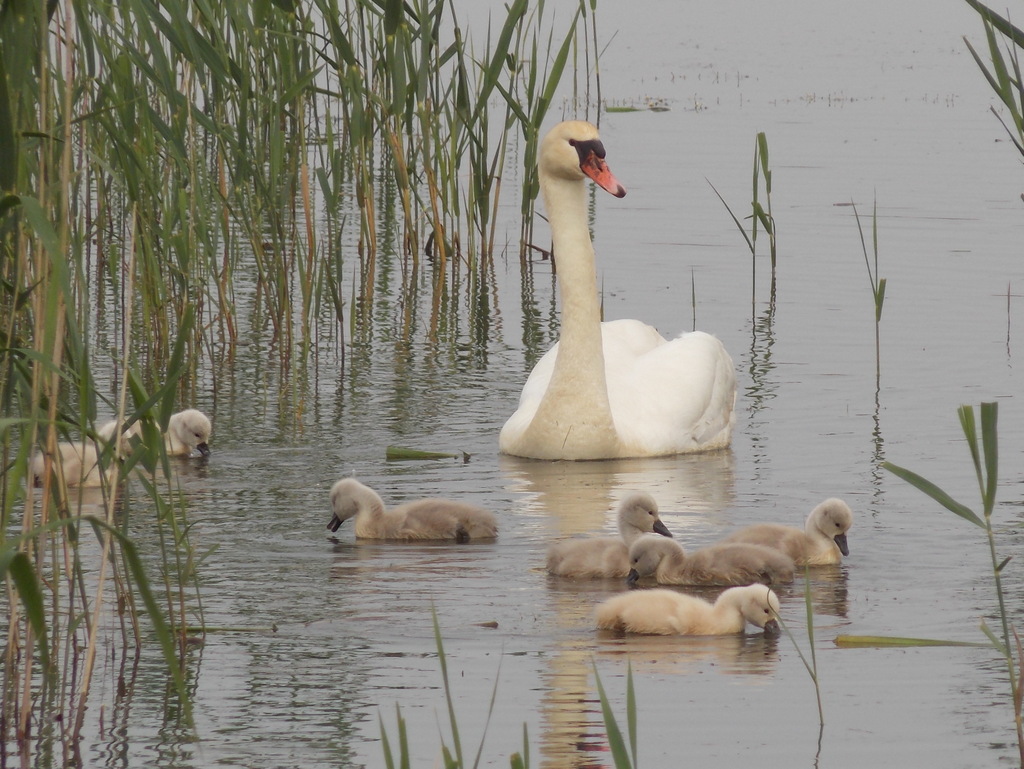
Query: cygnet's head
760, 607
640, 511
192, 428
646, 555
348, 496
833, 517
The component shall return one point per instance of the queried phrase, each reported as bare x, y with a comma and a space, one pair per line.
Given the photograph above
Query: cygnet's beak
335, 523
772, 629
632, 578
662, 529
841, 542
204, 449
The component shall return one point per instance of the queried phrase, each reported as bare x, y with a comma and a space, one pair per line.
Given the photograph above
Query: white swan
725, 564
424, 519
615, 389
661, 611
598, 557
822, 540
187, 431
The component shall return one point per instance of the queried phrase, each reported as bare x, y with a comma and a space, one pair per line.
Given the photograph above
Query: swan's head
833, 518
646, 555
640, 511
348, 497
192, 428
573, 150
759, 606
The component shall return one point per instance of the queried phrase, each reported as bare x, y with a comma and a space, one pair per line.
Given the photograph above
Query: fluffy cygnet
661, 611
77, 461
822, 540
187, 431
424, 519
726, 564
600, 557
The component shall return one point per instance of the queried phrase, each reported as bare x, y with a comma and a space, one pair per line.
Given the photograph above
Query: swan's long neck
577, 272
576, 406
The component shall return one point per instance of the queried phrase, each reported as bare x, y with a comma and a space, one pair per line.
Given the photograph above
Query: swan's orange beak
597, 169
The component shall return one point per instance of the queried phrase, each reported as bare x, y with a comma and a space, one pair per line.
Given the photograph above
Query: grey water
322, 638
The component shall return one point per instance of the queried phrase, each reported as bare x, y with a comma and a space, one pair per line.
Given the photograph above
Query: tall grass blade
616, 744
934, 492
18, 565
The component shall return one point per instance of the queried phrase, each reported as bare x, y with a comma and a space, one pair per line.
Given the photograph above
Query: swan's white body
602, 557
615, 389
822, 541
661, 611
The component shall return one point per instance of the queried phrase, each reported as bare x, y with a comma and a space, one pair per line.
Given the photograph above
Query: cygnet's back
821, 541
661, 611
725, 564
599, 557
78, 462
425, 519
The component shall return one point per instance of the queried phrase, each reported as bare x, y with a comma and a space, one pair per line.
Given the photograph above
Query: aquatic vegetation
985, 457
622, 758
1004, 75
877, 283
454, 757
812, 666
760, 214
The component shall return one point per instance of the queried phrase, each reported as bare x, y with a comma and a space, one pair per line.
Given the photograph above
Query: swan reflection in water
560, 500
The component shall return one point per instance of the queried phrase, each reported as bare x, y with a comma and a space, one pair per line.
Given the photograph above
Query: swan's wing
674, 397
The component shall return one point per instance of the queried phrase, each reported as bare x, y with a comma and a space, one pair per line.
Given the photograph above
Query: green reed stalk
985, 457
458, 761
812, 666
530, 99
877, 283
1004, 76
623, 758
760, 214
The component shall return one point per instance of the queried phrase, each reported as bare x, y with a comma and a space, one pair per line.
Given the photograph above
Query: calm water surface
861, 102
